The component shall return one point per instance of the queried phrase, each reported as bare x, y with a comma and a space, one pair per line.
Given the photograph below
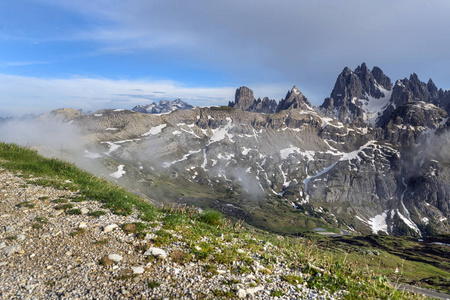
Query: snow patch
284, 153
186, 156
120, 171
378, 223
155, 130
374, 107
91, 155
222, 132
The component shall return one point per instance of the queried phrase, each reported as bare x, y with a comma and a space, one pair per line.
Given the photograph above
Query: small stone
68, 253
11, 249
252, 291
240, 251
124, 292
82, 225
58, 212
241, 293
32, 255
2, 245
115, 257
84, 210
150, 236
110, 227
198, 248
3, 263
138, 270
156, 252
9, 228
20, 237
221, 272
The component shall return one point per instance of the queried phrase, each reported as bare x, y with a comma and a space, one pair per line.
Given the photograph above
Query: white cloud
21, 95
308, 42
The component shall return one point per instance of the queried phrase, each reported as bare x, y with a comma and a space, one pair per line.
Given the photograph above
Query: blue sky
94, 54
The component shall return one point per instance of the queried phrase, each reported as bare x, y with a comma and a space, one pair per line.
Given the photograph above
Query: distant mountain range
374, 157
164, 106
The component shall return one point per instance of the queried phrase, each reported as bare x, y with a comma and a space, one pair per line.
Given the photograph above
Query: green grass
55, 172
65, 206
26, 204
151, 284
97, 213
74, 211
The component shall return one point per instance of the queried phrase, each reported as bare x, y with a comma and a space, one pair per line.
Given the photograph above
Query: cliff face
244, 100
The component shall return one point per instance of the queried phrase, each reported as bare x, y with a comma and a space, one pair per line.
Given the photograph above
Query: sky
94, 54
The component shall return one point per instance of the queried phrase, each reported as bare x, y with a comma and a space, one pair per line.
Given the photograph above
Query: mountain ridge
378, 168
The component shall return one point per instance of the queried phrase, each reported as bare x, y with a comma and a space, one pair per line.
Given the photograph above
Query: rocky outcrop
245, 101
294, 100
62, 114
410, 90
358, 95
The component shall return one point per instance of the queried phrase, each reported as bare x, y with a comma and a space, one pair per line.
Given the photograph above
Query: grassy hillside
359, 268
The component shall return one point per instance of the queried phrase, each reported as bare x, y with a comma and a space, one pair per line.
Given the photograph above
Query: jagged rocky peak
358, 95
360, 84
381, 78
164, 106
294, 99
412, 89
245, 100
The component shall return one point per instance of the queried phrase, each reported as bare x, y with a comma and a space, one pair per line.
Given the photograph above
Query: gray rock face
245, 100
355, 91
381, 78
294, 99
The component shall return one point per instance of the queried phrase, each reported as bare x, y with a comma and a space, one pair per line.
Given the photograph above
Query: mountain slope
236, 161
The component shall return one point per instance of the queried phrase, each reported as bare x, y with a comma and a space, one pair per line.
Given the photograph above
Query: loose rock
110, 228
115, 257
11, 249
156, 252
